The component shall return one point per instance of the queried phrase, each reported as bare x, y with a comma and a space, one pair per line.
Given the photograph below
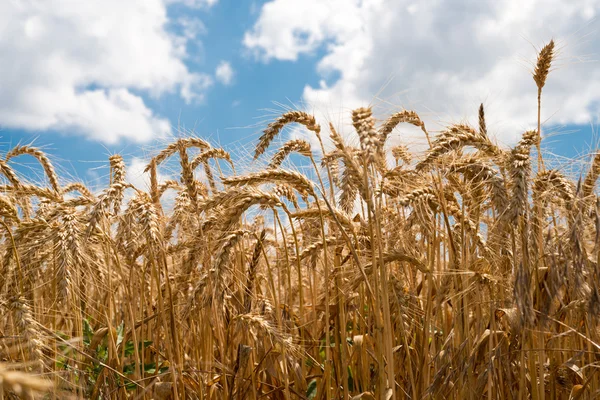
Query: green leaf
129, 369
102, 353
150, 368
350, 379
129, 348
88, 332
162, 370
311, 391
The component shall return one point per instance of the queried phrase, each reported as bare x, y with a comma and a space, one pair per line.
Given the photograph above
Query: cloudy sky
86, 79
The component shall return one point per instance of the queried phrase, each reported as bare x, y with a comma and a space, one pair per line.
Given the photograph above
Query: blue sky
89, 79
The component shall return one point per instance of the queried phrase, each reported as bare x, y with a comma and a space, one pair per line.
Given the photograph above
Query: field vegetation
466, 271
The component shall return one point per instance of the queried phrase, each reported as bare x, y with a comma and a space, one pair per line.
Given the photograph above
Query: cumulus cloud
441, 58
224, 73
195, 3
81, 66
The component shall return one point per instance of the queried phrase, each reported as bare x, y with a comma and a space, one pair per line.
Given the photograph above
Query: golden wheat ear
43, 160
404, 116
543, 64
364, 123
22, 384
401, 153
540, 74
297, 145
482, 124
276, 126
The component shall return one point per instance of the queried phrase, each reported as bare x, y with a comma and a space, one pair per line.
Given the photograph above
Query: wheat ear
275, 127
42, 158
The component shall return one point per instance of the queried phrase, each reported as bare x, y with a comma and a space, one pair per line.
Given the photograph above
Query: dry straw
460, 272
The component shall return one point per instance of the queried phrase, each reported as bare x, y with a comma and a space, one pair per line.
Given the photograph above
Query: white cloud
195, 3
192, 27
81, 66
137, 177
441, 58
224, 73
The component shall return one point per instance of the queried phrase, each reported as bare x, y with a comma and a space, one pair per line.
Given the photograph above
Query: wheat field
467, 271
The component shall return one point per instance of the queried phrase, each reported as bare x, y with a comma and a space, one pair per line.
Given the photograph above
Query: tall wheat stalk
459, 272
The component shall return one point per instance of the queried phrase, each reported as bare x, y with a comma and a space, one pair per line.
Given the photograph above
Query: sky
84, 80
